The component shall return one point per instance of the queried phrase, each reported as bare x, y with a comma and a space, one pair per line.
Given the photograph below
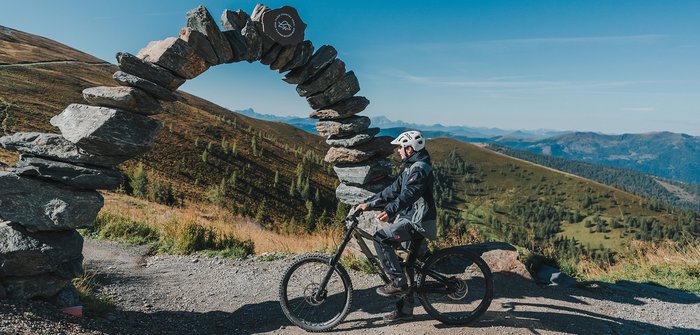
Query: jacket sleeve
386, 195
412, 191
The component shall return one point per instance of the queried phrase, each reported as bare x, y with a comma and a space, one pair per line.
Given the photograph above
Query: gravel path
198, 295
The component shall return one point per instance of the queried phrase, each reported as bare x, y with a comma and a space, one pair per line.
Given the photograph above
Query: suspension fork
334, 261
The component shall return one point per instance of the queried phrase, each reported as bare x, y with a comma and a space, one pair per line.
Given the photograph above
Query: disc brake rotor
461, 290
309, 294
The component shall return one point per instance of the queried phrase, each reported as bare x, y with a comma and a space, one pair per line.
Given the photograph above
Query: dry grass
669, 264
223, 222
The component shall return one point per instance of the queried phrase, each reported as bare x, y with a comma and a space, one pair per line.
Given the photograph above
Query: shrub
118, 228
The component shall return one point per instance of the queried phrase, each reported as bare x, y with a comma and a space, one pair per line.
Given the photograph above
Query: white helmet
410, 138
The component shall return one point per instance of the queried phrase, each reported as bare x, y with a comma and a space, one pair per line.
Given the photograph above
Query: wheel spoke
300, 286
455, 287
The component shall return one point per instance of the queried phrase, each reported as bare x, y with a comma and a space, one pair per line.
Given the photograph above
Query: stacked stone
51, 191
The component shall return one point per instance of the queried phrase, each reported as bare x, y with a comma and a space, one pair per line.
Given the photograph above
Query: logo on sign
284, 25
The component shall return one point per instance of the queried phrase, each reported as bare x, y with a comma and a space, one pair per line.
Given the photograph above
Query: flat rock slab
319, 61
40, 206
55, 147
377, 147
343, 89
352, 195
301, 56
26, 254
256, 16
253, 41
285, 56
140, 68
175, 55
323, 80
365, 173
91, 178
233, 22
148, 86
341, 110
102, 131
200, 44
200, 20
272, 55
352, 140
352, 125
123, 97
339, 155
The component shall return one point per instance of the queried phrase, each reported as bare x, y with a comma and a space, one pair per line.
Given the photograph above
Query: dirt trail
197, 295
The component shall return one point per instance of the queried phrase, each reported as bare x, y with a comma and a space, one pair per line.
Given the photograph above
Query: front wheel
298, 296
455, 286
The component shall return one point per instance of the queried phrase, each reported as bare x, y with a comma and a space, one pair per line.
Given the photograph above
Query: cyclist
410, 206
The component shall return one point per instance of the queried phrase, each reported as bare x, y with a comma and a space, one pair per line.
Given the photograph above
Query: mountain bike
454, 285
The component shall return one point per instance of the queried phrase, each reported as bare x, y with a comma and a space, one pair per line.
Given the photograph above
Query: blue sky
607, 66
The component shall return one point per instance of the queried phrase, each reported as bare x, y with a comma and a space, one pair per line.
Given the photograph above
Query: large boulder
353, 139
150, 87
341, 110
140, 68
85, 177
343, 127
363, 173
506, 261
55, 147
200, 44
123, 97
27, 254
320, 59
39, 205
175, 55
107, 131
344, 88
323, 80
200, 20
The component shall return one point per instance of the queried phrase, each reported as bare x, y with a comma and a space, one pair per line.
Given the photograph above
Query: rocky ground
158, 294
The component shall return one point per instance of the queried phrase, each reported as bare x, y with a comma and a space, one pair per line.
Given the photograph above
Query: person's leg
385, 241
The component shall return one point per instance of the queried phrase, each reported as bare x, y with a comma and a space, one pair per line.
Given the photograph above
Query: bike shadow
519, 304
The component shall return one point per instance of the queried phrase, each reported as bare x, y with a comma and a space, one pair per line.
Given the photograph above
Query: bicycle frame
359, 234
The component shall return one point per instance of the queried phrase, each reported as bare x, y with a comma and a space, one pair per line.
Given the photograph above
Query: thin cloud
506, 83
539, 41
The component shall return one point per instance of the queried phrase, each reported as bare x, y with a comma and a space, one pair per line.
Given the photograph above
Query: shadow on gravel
518, 305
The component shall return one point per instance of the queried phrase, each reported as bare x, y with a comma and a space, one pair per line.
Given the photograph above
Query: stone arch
66, 169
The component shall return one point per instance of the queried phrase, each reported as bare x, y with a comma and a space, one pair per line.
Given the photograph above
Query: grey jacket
410, 196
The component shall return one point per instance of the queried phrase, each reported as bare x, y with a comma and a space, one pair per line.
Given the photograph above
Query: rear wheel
298, 290
456, 286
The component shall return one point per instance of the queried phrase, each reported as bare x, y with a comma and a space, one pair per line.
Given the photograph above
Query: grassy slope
20, 47
502, 187
36, 93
